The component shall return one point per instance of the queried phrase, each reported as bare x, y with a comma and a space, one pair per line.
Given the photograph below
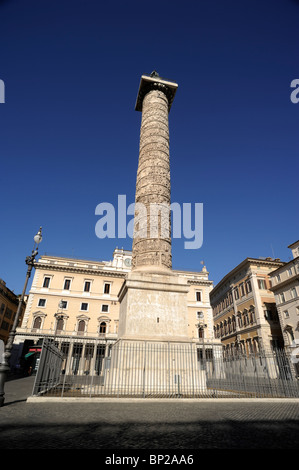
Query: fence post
144, 366
192, 369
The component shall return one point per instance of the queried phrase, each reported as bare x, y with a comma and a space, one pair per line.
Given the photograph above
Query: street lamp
4, 367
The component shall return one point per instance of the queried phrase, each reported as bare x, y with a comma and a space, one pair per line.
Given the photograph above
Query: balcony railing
52, 332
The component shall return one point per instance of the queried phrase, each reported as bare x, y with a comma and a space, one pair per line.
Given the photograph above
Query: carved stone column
153, 315
152, 227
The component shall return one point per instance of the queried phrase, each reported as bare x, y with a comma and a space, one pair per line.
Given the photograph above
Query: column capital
155, 82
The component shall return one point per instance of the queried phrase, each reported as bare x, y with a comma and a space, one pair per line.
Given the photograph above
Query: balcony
65, 333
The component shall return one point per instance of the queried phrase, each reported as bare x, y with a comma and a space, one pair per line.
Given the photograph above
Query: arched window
289, 330
81, 326
103, 327
252, 314
37, 323
201, 333
245, 317
59, 325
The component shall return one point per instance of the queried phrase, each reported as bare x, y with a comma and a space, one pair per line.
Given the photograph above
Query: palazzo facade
244, 308
285, 287
76, 303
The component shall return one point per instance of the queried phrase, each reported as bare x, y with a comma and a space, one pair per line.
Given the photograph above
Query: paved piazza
141, 424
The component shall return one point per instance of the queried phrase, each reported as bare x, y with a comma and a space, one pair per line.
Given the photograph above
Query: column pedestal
154, 355
155, 369
154, 307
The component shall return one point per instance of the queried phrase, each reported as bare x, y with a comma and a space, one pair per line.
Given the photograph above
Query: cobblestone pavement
177, 424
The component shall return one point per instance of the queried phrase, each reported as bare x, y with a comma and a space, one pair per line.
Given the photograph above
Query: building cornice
110, 272
285, 266
80, 270
200, 282
292, 244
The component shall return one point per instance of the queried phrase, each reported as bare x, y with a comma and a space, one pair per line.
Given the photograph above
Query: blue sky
70, 134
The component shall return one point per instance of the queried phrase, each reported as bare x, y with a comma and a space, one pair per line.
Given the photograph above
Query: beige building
76, 301
285, 286
244, 309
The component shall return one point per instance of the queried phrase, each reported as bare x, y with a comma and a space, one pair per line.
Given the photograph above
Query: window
2, 309
201, 333
261, 283
286, 314
268, 315
248, 287
293, 292
106, 288
282, 298
242, 289
198, 296
209, 354
81, 326
59, 324
252, 316
291, 334
46, 282
8, 312
103, 328
87, 286
63, 303
297, 310
37, 323
278, 277
105, 308
236, 292
42, 302
245, 318
4, 325
67, 284
84, 306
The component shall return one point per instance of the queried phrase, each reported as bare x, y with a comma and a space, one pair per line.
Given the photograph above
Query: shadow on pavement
99, 434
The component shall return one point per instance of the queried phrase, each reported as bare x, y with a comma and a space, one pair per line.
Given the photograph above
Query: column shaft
152, 226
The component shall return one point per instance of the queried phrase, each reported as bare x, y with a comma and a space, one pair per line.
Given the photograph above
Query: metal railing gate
145, 369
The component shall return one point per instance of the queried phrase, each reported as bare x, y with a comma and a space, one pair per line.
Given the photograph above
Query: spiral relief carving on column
152, 230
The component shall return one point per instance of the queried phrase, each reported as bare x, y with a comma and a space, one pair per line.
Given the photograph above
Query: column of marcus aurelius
152, 227
153, 299
153, 353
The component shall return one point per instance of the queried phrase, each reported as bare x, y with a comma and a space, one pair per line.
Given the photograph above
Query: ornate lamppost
4, 366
